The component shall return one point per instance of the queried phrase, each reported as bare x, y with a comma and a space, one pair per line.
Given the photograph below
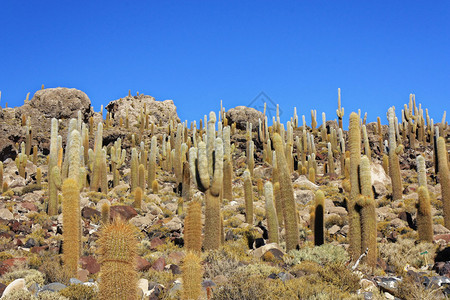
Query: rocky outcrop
243, 114
160, 112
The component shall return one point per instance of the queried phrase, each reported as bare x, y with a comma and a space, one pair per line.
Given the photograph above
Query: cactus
35, 153
192, 274
193, 227
105, 213
71, 221
248, 193
394, 165
1, 174
287, 194
340, 111
227, 179
186, 184
134, 169
353, 214
96, 171
53, 186
155, 187
424, 219
152, 161
271, 213
38, 176
368, 215
444, 178
319, 209
141, 177
137, 198
212, 191
118, 247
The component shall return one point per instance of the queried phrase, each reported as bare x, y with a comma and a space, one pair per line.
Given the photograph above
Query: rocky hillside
129, 203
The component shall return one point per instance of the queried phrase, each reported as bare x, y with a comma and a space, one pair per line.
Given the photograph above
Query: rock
380, 180
338, 210
158, 111
89, 263
82, 275
89, 213
5, 214
440, 229
2, 288
124, 211
444, 237
367, 285
159, 264
61, 103
303, 182
29, 206
175, 269
53, 287
142, 264
387, 284
75, 281
155, 242
443, 255
397, 223
18, 284
303, 196
174, 224
143, 285
334, 229
142, 222
176, 257
6, 264
272, 247
242, 114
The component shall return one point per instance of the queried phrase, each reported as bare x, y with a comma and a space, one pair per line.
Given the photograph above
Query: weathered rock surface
243, 114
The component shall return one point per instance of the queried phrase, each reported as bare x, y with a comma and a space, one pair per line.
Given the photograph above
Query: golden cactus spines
368, 214
287, 194
394, 165
118, 247
105, 213
155, 188
424, 219
227, 179
192, 274
137, 197
319, 210
141, 177
444, 178
193, 227
71, 223
38, 176
271, 213
248, 194
353, 215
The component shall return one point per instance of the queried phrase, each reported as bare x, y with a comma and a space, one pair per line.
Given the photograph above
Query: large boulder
160, 112
243, 114
61, 103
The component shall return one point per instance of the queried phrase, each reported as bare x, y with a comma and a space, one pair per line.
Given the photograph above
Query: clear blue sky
198, 52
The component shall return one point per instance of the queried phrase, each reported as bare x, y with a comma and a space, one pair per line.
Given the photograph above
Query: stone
158, 111
272, 247
29, 206
142, 264
61, 103
174, 225
380, 180
143, 285
243, 114
397, 223
18, 284
53, 287
176, 257
334, 229
82, 275
303, 196
89, 213
155, 242
142, 222
440, 229
175, 269
159, 264
5, 214
338, 210
304, 182
89, 263
124, 211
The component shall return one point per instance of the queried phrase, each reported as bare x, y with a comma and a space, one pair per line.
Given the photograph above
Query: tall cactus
227, 179
54, 180
394, 165
71, 221
212, 190
271, 214
193, 227
319, 209
192, 273
444, 178
424, 219
118, 247
368, 215
340, 110
287, 194
152, 161
353, 214
248, 194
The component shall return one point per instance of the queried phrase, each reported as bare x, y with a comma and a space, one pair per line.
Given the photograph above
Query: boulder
243, 114
61, 103
158, 111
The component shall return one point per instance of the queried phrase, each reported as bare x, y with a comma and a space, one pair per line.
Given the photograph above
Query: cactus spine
353, 214
368, 215
118, 247
271, 214
71, 221
340, 110
152, 161
287, 194
248, 194
227, 179
444, 178
319, 209
424, 220
105, 213
394, 165
54, 179
192, 273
